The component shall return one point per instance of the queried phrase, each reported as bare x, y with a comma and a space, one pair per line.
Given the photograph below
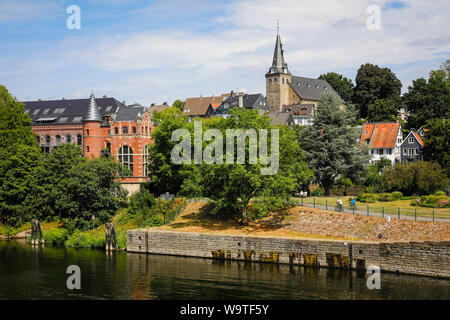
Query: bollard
399, 213
367, 210
314, 201
433, 214
415, 214
326, 204
354, 209
382, 212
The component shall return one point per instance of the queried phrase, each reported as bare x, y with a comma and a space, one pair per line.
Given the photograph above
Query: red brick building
99, 126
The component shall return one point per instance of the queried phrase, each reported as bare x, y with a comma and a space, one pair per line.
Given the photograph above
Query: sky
162, 50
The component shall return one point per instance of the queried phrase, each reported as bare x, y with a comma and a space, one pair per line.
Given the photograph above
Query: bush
440, 193
414, 178
319, 191
257, 211
397, 195
141, 201
368, 197
56, 236
432, 201
386, 197
87, 239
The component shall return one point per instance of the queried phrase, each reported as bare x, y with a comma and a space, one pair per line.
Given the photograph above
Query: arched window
144, 161
47, 140
125, 157
68, 138
125, 130
87, 132
58, 139
79, 140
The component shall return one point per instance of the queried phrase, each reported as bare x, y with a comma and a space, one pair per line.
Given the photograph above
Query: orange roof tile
418, 138
380, 135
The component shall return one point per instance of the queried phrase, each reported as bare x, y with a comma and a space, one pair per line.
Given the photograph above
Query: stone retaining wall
421, 258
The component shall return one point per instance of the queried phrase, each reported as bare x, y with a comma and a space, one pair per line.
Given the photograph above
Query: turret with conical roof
92, 137
92, 113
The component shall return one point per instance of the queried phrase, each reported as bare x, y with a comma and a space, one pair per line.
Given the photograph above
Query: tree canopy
331, 143
342, 85
383, 110
437, 142
374, 83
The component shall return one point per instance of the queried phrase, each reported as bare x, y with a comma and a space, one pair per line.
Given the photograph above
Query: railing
373, 211
172, 214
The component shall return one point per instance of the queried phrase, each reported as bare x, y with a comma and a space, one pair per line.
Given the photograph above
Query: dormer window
411, 140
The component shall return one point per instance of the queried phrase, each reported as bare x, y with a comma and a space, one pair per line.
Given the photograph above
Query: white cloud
318, 36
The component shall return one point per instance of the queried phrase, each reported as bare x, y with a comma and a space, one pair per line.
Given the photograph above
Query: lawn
389, 207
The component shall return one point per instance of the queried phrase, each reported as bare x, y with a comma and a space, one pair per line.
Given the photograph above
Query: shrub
386, 197
440, 193
56, 236
257, 211
397, 195
87, 239
319, 191
368, 197
432, 201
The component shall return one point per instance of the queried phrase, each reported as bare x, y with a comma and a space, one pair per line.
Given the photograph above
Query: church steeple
278, 64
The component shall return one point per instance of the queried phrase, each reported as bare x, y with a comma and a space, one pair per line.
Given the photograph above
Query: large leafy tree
437, 143
427, 100
342, 85
165, 176
231, 186
382, 110
331, 143
374, 83
178, 104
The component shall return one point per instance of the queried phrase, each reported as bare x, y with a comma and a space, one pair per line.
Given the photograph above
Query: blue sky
156, 51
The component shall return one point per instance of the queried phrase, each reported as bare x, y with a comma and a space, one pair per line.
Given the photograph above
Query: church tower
92, 142
278, 79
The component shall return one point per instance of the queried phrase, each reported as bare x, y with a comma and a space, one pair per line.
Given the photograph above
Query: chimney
232, 93
165, 103
152, 105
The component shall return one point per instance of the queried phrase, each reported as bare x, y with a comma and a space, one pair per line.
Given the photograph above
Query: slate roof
70, 111
278, 63
280, 118
381, 135
199, 106
249, 101
309, 88
129, 113
92, 113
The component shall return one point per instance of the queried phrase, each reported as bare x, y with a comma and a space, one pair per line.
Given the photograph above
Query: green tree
374, 83
446, 67
383, 110
437, 143
342, 85
178, 104
420, 178
164, 175
231, 186
15, 125
331, 143
427, 100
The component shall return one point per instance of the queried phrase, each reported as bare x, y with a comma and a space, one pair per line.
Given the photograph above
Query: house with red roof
383, 140
411, 148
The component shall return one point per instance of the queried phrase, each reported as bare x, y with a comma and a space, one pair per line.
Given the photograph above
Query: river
28, 272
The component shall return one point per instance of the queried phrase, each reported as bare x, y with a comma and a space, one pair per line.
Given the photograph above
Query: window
77, 119
87, 149
62, 119
58, 140
79, 140
108, 109
422, 133
109, 132
381, 152
410, 152
389, 151
47, 140
276, 79
87, 132
417, 152
270, 80
68, 138
134, 129
125, 157
282, 80
146, 130
145, 161
116, 130
405, 152
411, 140
36, 112
125, 130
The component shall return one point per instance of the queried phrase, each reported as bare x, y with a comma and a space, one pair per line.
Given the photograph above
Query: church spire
278, 64
92, 113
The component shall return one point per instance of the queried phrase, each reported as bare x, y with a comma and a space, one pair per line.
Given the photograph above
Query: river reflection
28, 272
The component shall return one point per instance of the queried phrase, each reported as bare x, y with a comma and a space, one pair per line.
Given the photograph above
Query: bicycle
339, 208
353, 206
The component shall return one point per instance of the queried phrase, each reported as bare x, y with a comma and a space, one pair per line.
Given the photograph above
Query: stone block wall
422, 258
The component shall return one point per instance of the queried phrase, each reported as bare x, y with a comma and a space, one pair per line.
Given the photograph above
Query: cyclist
339, 205
353, 203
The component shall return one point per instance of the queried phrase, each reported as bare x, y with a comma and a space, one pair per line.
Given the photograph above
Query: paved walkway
375, 214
